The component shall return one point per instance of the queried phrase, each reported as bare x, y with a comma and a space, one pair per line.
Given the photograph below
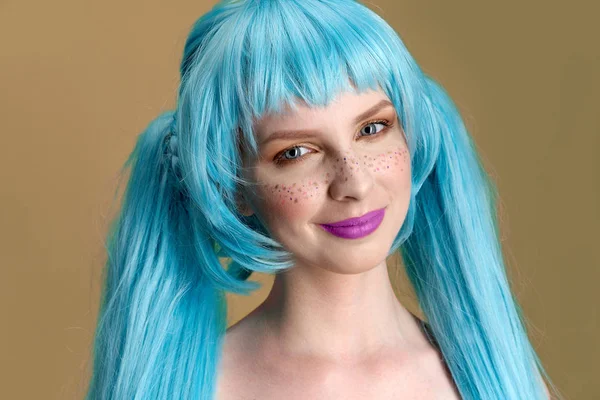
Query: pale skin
332, 326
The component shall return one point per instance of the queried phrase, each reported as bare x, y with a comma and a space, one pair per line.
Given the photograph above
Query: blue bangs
305, 52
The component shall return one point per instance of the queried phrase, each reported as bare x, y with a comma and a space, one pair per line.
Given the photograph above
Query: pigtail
160, 319
454, 262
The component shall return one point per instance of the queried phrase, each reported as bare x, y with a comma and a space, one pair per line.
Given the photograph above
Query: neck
313, 312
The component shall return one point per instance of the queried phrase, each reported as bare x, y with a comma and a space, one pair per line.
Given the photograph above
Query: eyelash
279, 160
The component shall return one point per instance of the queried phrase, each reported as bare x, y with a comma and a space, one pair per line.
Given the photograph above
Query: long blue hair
178, 243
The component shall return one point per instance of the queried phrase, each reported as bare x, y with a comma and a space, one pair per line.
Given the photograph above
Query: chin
347, 262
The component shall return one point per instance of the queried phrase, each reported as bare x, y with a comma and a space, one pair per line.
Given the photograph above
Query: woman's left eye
280, 158
384, 123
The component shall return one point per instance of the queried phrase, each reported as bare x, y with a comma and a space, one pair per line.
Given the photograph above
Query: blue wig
163, 310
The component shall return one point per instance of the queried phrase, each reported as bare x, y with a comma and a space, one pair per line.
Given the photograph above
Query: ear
243, 206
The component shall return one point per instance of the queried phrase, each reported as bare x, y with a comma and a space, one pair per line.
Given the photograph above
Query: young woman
307, 143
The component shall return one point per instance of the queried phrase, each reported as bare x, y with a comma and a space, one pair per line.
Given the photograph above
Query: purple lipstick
358, 227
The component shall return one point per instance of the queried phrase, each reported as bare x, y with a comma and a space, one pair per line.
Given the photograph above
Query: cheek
294, 199
395, 165
396, 162
390, 168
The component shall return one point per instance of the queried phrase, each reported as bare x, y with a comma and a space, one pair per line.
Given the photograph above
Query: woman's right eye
280, 159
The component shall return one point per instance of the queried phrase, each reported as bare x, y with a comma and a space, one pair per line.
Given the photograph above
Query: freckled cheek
392, 170
397, 159
393, 163
293, 200
397, 166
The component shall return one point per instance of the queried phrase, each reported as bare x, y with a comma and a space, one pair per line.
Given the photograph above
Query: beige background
80, 79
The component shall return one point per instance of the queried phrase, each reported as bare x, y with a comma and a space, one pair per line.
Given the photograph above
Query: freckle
296, 200
345, 179
276, 186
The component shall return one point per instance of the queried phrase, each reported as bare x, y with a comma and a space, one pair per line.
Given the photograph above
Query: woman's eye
293, 152
296, 156
373, 130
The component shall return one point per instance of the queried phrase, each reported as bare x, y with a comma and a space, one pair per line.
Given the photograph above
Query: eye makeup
280, 161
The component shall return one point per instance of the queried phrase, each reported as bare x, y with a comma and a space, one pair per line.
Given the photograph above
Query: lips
355, 228
356, 220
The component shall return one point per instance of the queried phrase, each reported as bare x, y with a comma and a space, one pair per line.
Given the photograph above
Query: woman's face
323, 165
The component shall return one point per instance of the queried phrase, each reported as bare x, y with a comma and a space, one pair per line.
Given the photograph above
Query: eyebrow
297, 134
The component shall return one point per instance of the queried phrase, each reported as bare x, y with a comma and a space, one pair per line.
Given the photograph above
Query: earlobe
245, 211
242, 206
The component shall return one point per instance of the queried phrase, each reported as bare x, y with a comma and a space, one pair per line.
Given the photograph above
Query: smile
354, 228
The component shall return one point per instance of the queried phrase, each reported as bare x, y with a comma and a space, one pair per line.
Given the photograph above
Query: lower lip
356, 231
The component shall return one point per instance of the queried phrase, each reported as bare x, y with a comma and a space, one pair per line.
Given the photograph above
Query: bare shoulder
440, 375
223, 389
234, 380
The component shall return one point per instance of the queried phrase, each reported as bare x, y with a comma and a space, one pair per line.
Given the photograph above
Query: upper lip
356, 220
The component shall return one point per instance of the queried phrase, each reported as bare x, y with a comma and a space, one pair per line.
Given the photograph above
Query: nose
351, 178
